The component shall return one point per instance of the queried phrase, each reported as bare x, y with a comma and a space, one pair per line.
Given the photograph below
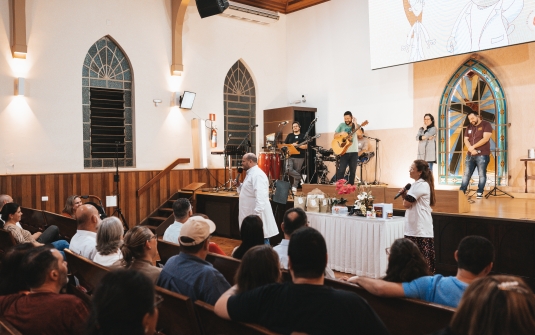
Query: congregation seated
405, 262
251, 233
181, 211
188, 273
84, 242
474, 257
294, 218
212, 247
494, 305
305, 305
139, 251
5, 199
42, 310
10, 274
71, 205
124, 303
11, 215
109, 240
259, 266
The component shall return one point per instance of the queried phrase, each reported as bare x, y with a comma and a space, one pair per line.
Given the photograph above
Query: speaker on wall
211, 7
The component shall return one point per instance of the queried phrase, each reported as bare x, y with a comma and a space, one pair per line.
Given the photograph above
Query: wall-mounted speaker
211, 7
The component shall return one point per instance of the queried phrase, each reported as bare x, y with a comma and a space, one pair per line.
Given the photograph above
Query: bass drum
264, 162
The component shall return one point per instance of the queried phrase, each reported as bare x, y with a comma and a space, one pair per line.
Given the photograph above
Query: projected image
428, 29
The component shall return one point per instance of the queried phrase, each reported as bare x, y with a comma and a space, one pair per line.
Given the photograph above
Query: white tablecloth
356, 244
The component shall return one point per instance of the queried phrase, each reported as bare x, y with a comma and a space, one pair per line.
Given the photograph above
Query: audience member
294, 218
212, 247
188, 273
182, 211
42, 310
84, 242
109, 240
125, 302
4, 199
259, 266
474, 257
306, 305
494, 305
10, 274
11, 214
252, 233
71, 205
405, 262
139, 251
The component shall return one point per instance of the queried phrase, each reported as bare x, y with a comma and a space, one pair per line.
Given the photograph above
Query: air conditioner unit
250, 14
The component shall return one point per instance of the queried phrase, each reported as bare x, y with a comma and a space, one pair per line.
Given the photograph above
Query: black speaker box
281, 192
211, 7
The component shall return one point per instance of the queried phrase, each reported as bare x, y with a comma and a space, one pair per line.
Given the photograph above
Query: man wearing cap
254, 196
188, 273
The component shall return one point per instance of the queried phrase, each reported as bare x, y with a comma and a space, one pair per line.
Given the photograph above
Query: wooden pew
32, 220
228, 266
6, 242
167, 250
67, 226
176, 314
214, 325
7, 328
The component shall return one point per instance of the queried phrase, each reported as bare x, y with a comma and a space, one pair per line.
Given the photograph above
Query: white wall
42, 131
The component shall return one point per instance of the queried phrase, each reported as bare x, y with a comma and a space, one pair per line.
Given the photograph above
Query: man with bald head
84, 242
254, 196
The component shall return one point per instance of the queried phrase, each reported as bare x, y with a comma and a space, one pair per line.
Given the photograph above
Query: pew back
167, 250
6, 242
7, 328
88, 273
32, 220
67, 226
228, 266
176, 314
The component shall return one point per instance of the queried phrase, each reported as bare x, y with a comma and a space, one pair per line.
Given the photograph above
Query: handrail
157, 177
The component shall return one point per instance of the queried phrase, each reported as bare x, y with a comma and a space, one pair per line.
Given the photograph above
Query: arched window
107, 106
240, 107
473, 87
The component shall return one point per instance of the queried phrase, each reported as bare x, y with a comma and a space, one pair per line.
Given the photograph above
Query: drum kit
327, 155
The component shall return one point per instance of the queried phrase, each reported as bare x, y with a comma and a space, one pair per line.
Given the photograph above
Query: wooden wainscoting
27, 190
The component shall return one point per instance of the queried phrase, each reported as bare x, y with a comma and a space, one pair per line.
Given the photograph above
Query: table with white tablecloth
357, 244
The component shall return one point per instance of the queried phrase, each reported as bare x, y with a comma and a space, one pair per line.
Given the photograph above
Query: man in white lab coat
254, 196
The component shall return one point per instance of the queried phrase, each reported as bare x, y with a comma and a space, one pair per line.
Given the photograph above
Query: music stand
290, 147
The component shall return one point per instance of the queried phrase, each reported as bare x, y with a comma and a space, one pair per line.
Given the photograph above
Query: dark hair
427, 175
291, 225
432, 120
191, 249
495, 305
307, 253
296, 122
252, 233
259, 266
69, 203
120, 302
134, 244
9, 209
405, 262
474, 254
348, 113
181, 207
37, 264
472, 112
11, 280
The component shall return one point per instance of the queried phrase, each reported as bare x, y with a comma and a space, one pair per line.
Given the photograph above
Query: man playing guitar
349, 149
296, 161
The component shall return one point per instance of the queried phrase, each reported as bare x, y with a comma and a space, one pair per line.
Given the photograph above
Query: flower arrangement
343, 188
364, 198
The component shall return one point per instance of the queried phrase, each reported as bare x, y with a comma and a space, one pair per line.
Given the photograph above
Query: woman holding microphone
427, 142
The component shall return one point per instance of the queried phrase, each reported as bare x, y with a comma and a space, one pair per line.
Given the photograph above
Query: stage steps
161, 217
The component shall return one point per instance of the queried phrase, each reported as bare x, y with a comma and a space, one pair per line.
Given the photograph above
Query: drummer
296, 161
363, 142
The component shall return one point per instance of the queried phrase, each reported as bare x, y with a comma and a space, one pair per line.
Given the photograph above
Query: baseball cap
196, 228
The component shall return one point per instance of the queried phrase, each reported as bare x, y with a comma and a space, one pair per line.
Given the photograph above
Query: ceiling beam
178, 12
18, 46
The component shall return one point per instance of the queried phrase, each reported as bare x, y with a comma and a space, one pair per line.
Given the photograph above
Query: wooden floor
503, 207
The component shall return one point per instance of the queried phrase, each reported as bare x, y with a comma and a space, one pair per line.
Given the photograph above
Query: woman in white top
418, 201
109, 240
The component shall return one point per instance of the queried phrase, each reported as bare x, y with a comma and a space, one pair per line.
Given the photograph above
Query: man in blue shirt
351, 157
474, 256
188, 273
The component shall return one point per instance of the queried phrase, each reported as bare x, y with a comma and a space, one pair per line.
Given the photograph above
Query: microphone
229, 135
314, 121
283, 123
240, 170
254, 126
407, 187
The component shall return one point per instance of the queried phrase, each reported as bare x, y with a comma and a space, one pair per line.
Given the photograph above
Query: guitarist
296, 161
351, 157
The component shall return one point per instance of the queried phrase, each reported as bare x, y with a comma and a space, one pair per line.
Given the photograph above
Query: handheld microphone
240, 170
407, 187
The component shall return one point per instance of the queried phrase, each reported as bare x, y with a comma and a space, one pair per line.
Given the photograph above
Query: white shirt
172, 232
418, 220
282, 251
254, 200
84, 243
108, 260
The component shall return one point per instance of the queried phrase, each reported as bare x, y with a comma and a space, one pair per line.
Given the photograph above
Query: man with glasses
182, 211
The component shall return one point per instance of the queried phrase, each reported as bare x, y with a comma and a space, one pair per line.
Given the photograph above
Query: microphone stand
116, 179
225, 164
375, 182
307, 138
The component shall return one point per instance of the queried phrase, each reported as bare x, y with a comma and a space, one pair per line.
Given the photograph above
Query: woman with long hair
405, 262
252, 233
259, 266
417, 202
109, 241
71, 205
139, 251
427, 141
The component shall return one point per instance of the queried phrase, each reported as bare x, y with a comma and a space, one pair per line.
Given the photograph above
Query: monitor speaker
211, 7
281, 192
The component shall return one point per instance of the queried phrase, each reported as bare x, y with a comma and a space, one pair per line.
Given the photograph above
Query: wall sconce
157, 101
19, 86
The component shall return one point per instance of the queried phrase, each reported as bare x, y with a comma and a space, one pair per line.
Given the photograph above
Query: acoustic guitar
343, 141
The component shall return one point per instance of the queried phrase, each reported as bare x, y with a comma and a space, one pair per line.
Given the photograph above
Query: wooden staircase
163, 217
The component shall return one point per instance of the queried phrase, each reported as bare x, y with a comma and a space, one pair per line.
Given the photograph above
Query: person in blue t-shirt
474, 256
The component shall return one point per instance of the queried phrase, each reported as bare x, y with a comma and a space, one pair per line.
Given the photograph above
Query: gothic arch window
473, 87
240, 108
107, 106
